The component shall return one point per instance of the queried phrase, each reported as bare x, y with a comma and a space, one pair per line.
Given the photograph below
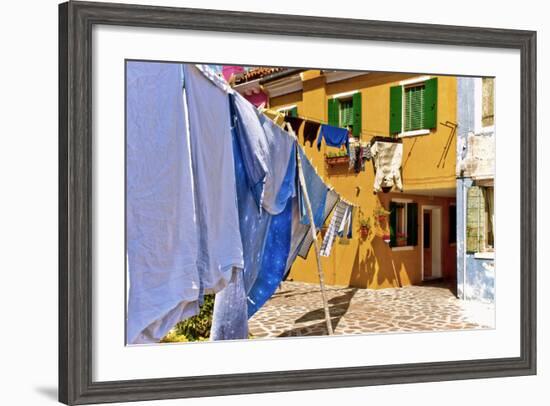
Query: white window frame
405, 226
411, 83
343, 96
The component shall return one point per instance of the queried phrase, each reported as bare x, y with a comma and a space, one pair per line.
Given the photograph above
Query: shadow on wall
376, 266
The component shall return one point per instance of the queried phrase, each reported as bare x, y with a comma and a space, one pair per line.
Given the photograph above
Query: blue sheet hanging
334, 136
275, 254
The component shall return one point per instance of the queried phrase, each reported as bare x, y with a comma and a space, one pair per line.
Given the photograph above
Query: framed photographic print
262, 202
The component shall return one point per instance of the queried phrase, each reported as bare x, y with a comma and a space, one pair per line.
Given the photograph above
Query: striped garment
336, 223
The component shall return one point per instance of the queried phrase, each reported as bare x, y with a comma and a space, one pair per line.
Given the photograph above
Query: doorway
431, 242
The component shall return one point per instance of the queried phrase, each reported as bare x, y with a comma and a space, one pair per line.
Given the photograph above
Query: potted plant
364, 227
401, 239
336, 158
381, 214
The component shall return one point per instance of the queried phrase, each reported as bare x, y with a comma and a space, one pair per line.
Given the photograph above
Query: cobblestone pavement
296, 310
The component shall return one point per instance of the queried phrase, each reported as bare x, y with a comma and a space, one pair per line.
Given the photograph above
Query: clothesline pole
315, 243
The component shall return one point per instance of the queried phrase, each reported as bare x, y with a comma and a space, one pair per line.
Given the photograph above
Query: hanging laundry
307, 241
230, 318
352, 154
344, 226
252, 142
295, 123
263, 234
365, 152
387, 158
316, 189
275, 255
358, 162
220, 247
281, 168
340, 213
276, 116
161, 231
265, 150
350, 224
310, 132
227, 318
334, 136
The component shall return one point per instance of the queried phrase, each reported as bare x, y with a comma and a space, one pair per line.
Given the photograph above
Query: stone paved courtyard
296, 310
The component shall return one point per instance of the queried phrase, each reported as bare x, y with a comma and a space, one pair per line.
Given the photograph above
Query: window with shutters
480, 219
413, 107
403, 223
345, 111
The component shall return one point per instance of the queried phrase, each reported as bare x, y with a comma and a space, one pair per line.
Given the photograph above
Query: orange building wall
370, 262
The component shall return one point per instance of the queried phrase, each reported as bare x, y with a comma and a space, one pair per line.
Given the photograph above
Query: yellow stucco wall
370, 262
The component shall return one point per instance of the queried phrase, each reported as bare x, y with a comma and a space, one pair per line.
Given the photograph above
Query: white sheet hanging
220, 247
161, 228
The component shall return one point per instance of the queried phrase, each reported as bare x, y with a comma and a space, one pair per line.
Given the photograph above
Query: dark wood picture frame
76, 20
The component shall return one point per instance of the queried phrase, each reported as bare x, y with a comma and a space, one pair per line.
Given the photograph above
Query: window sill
404, 248
484, 255
414, 133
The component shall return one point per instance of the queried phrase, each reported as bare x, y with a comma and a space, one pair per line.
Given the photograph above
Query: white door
431, 242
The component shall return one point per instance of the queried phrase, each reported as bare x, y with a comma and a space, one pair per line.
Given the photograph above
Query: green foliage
196, 328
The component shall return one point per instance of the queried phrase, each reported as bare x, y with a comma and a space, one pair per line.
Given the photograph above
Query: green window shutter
396, 102
475, 219
346, 113
414, 110
393, 224
430, 103
293, 112
412, 224
357, 114
333, 112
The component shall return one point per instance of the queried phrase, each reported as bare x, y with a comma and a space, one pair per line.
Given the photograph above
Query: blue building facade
475, 190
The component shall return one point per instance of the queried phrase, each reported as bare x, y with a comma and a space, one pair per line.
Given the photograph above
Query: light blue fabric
253, 223
220, 247
316, 190
334, 136
161, 229
253, 144
281, 167
229, 319
265, 148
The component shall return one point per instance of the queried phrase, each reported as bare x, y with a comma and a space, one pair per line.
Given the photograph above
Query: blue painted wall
475, 276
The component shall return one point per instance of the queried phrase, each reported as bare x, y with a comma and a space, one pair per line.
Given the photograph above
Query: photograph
268, 202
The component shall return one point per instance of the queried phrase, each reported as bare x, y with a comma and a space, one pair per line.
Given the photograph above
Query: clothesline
319, 121
291, 132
